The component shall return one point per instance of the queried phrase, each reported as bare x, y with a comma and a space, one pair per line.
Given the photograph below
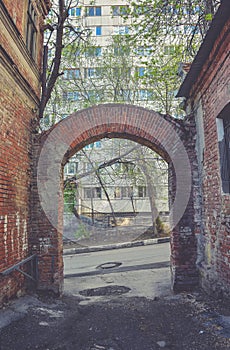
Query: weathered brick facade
31, 165
19, 99
207, 89
172, 139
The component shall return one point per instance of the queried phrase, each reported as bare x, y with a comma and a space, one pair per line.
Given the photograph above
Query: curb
71, 251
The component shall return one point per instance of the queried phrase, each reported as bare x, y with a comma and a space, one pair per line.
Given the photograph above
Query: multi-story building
107, 66
106, 69
118, 176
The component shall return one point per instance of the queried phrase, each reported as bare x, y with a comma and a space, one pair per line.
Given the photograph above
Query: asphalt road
135, 258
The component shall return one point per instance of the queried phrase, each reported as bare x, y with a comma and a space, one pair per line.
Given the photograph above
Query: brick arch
53, 149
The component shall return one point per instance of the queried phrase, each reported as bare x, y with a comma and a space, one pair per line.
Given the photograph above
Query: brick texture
161, 133
212, 91
19, 98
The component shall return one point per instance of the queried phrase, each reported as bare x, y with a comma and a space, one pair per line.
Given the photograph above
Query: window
142, 191
145, 95
121, 30
93, 11
70, 168
70, 74
143, 51
96, 144
126, 192
141, 71
98, 51
87, 166
92, 72
123, 192
121, 51
93, 95
191, 29
117, 192
92, 192
98, 30
93, 52
31, 31
223, 128
125, 95
119, 10
71, 96
76, 11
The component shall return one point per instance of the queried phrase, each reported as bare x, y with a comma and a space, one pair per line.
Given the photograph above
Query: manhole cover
109, 265
108, 290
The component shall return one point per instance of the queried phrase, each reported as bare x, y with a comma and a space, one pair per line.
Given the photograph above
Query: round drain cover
109, 265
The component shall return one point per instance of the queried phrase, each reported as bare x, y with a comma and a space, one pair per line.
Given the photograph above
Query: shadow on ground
181, 322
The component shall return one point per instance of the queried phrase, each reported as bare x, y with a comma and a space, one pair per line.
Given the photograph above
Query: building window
117, 192
92, 72
142, 191
119, 10
96, 144
121, 30
75, 12
121, 51
93, 52
31, 31
141, 71
93, 11
145, 95
98, 30
71, 74
71, 96
144, 51
70, 168
92, 192
223, 128
123, 192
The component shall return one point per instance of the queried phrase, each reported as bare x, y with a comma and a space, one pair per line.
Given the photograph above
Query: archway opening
115, 190
161, 134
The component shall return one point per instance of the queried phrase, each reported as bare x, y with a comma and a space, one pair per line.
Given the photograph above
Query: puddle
107, 290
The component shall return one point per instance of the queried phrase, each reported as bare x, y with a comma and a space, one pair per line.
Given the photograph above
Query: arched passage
52, 150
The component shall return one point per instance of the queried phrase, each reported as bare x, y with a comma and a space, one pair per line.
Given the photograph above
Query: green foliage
162, 35
69, 197
209, 17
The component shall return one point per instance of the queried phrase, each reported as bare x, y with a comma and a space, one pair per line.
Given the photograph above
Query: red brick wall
161, 133
15, 145
19, 98
212, 89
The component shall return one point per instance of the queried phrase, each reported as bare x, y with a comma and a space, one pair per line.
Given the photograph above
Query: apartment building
118, 175
106, 70
105, 67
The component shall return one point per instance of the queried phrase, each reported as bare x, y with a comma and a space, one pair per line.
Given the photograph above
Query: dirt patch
178, 322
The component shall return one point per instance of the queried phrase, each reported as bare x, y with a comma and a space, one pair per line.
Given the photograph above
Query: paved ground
123, 310
128, 258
